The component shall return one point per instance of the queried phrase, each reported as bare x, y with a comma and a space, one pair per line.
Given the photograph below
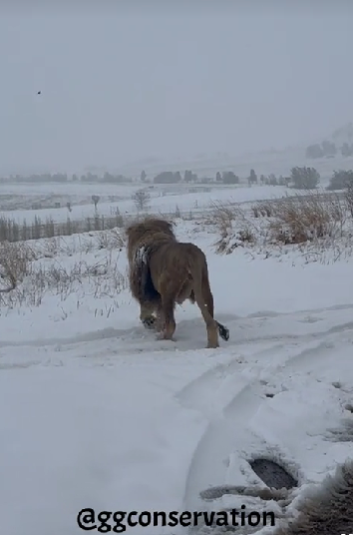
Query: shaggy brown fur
164, 272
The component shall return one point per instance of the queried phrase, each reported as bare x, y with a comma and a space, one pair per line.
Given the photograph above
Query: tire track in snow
110, 346
213, 463
185, 328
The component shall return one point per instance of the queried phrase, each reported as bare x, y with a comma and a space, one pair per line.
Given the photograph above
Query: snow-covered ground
96, 413
168, 203
20, 200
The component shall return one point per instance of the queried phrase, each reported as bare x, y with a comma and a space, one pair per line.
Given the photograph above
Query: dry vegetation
232, 226
71, 260
13, 231
78, 259
71, 268
301, 219
15, 262
349, 198
323, 221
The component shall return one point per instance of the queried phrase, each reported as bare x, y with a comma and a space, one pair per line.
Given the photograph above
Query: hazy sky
119, 84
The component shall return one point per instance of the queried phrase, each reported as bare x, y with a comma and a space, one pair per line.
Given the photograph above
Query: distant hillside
343, 135
340, 142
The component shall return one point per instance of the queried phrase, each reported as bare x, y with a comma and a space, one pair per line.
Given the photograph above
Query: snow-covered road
96, 413
123, 422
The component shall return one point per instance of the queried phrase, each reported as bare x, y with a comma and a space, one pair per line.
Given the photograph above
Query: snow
168, 203
95, 412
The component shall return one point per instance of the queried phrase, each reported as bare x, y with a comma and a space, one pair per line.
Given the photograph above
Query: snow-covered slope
95, 412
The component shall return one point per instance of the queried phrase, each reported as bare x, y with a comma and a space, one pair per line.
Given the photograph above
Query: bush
340, 180
301, 219
230, 178
304, 177
314, 151
347, 150
222, 218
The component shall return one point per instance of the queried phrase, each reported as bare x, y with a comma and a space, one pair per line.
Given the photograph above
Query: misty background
124, 83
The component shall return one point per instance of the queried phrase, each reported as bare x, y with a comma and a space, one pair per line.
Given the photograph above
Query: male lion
163, 272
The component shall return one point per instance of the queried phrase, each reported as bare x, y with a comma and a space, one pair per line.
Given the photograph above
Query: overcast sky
123, 84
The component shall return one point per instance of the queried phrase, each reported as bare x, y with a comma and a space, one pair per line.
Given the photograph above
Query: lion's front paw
149, 322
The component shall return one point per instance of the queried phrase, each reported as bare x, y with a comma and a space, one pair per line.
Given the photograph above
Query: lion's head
146, 232
142, 237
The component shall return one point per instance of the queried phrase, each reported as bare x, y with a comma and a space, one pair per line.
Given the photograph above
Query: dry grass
263, 209
81, 265
49, 266
12, 231
232, 225
314, 218
15, 263
177, 213
79, 279
300, 219
348, 196
15, 232
110, 240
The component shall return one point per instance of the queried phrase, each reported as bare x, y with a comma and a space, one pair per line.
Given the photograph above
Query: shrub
301, 219
340, 180
141, 198
304, 177
15, 262
232, 226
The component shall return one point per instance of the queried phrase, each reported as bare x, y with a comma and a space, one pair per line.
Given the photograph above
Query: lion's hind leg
166, 318
204, 300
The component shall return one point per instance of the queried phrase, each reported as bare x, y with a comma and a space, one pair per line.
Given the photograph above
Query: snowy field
95, 412
20, 200
168, 203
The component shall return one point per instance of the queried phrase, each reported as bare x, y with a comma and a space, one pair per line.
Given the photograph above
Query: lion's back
177, 259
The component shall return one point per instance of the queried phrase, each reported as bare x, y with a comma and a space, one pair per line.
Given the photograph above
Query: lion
164, 272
